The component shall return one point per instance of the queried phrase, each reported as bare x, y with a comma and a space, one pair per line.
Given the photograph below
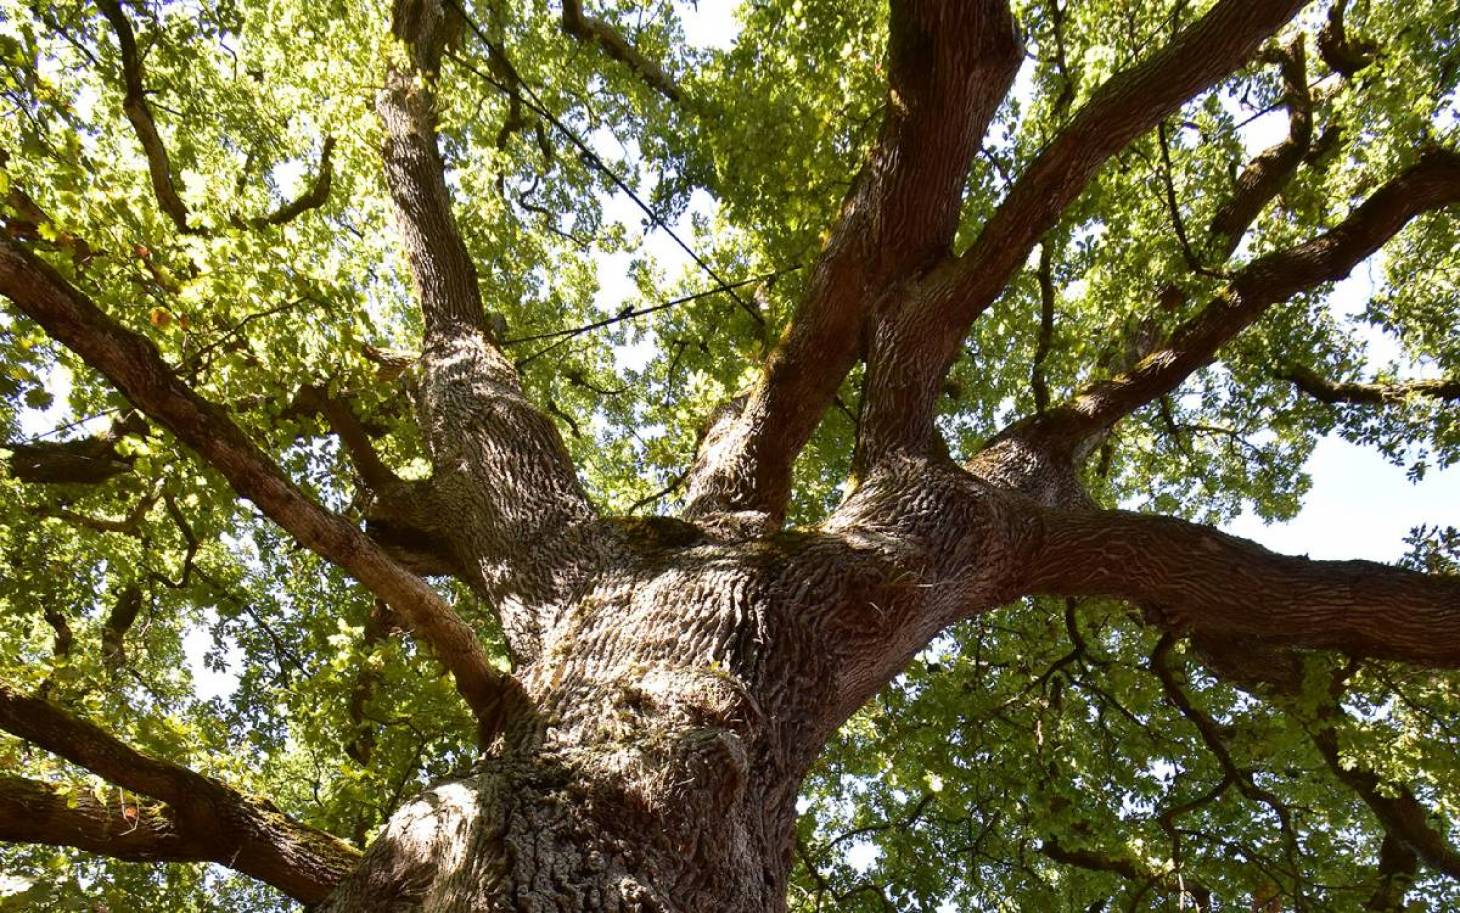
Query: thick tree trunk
677, 828
676, 708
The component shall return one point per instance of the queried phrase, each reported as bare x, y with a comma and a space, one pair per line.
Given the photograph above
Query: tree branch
133, 364
118, 622
1192, 577
1127, 868
134, 105
36, 812
1067, 430
911, 355
1342, 54
205, 819
591, 29
1398, 866
1369, 394
316, 399
87, 461
159, 166
1045, 273
1279, 672
1271, 170
498, 460
313, 197
951, 65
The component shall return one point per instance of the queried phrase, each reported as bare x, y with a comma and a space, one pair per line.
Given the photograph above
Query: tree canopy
644, 214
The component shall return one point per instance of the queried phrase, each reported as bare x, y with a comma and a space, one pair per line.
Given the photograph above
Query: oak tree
610, 471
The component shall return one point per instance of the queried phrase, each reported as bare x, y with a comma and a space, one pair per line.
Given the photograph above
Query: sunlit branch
585, 27
1368, 394
134, 365
951, 65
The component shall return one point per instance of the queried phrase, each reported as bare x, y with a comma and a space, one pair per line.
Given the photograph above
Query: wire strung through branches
535, 103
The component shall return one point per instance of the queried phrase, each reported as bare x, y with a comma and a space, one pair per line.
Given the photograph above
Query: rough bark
678, 676
497, 459
1198, 579
678, 705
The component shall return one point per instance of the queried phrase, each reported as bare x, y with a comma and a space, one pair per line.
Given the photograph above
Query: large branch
134, 105
1342, 54
1065, 430
585, 27
36, 812
1368, 394
1198, 579
159, 164
205, 819
911, 353
498, 460
951, 64
131, 362
85, 461
1265, 176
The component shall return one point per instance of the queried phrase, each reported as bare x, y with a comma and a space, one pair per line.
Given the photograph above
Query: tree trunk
677, 706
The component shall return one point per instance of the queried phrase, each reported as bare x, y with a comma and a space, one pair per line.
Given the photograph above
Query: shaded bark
1265, 176
1342, 53
1198, 579
113, 825
87, 461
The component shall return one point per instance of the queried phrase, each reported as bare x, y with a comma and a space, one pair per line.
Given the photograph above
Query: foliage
1014, 731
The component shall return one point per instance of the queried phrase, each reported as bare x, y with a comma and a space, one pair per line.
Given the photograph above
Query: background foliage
1017, 731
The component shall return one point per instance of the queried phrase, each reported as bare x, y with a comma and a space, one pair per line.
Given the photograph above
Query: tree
841, 565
